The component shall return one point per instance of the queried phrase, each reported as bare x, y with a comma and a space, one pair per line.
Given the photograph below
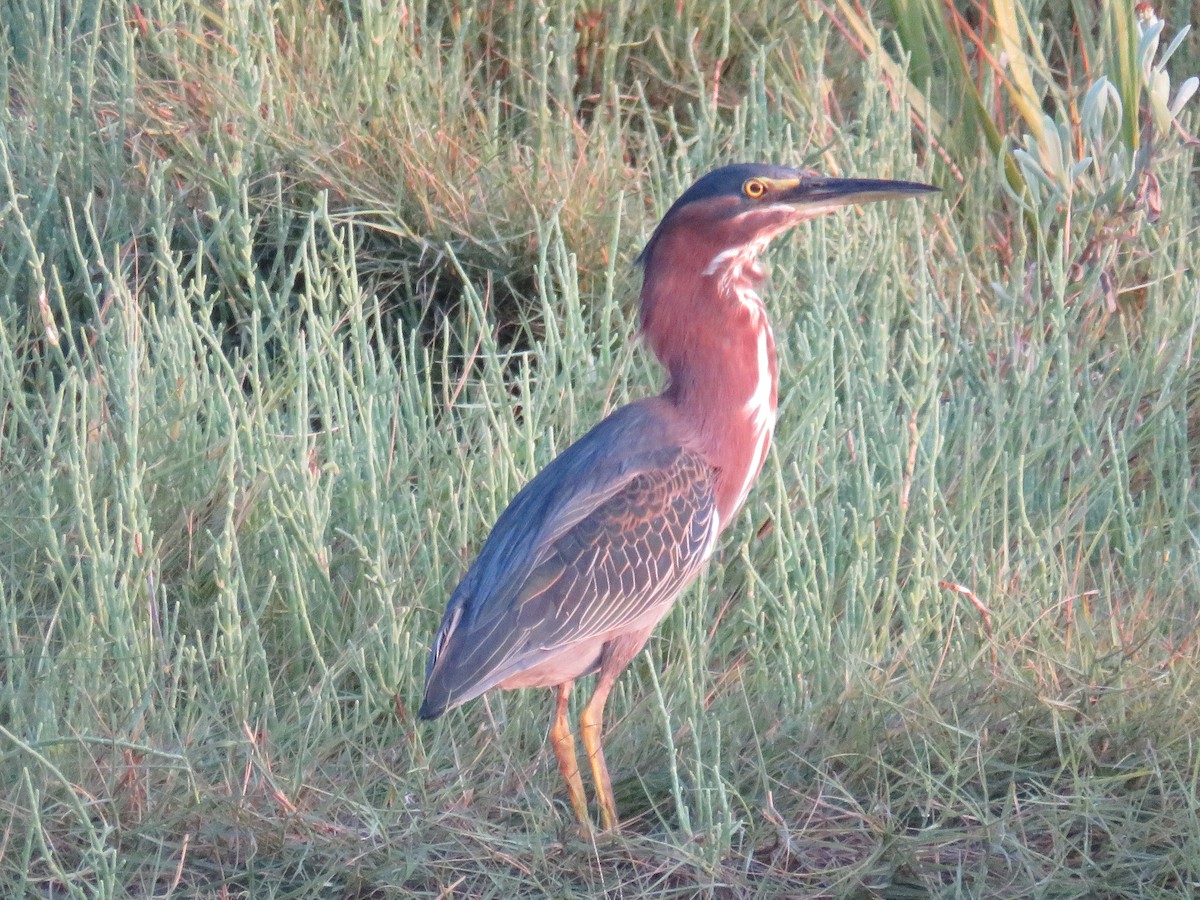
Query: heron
592, 553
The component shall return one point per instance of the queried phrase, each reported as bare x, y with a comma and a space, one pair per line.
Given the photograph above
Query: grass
293, 300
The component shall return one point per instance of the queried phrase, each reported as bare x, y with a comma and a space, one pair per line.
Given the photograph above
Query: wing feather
600, 542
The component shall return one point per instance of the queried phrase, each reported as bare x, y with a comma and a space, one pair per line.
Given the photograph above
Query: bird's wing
600, 542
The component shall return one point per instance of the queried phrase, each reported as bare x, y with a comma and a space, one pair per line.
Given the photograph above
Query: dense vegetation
294, 297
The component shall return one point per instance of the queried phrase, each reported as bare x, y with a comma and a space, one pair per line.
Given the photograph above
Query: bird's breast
728, 392
753, 412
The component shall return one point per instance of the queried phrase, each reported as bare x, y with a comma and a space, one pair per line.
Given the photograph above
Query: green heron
591, 554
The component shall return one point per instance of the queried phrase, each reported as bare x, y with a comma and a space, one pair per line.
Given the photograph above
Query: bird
592, 552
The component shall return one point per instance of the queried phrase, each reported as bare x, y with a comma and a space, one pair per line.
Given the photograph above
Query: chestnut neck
707, 325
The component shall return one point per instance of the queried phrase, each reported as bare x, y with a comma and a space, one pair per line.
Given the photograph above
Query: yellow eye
754, 188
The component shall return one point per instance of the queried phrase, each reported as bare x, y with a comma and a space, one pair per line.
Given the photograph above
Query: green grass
293, 301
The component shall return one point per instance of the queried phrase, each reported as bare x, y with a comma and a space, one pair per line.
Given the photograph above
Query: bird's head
734, 211
700, 265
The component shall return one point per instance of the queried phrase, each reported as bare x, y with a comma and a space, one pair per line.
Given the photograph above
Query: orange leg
564, 749
591, 721
617, 655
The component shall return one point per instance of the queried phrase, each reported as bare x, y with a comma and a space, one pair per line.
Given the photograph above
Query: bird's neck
712, 334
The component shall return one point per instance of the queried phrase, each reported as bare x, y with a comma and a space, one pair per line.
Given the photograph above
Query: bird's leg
591, 721
616, 656
564, 749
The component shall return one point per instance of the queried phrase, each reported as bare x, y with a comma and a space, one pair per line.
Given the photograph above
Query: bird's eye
754, 188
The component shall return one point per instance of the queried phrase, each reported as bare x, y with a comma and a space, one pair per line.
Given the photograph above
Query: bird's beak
812, 195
